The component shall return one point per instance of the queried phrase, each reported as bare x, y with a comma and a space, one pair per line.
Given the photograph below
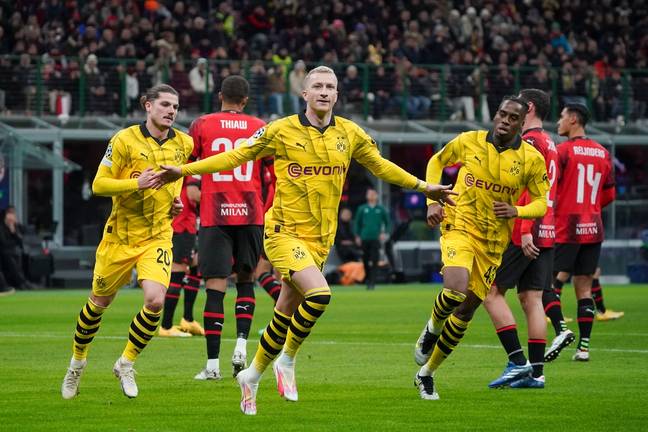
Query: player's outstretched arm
440, 193
105, 184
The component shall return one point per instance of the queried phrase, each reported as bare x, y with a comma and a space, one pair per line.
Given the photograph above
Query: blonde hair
319, 69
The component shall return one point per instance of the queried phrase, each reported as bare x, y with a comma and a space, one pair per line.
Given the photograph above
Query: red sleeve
607, 196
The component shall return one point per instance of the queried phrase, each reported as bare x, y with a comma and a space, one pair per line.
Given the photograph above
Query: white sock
286, 360
123, 360
241, 345
253, 373
213, 364
425, 371
76, 364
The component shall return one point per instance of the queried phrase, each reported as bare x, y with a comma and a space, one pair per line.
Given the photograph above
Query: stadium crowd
594, 52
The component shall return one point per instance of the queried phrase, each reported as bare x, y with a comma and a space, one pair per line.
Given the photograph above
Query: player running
312, 152
137, 234
497, 165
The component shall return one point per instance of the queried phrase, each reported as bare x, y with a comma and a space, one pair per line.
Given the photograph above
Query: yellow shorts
289, 254
115, 263
459, 249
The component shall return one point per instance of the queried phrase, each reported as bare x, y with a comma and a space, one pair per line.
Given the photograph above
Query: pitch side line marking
314, 342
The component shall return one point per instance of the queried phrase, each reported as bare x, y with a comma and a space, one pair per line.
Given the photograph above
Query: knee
154, 305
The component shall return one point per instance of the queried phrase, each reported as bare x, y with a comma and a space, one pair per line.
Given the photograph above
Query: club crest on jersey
298, 253
340, 145
515, 169
452, 253
258, 133
179, 156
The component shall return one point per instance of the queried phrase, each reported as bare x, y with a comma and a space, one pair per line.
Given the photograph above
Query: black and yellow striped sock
453, 331
272, 340
141, 331
445, 303
86, 329
304, 318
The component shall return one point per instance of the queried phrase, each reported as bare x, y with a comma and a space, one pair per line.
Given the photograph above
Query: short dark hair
235, 89
540, 99
581, 112
517, 100
154, 93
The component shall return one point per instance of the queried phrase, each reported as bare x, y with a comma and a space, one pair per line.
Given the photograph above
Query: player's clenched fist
435, 214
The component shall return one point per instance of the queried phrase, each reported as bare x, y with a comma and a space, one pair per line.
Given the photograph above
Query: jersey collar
305, 122
539, 129
490, 138
147, 134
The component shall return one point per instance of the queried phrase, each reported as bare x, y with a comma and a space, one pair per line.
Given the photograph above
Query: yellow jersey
489, 174
139, 216
310, 165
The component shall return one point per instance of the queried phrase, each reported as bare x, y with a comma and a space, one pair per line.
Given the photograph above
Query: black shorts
526, 274
229, 249
577, 259
183, 245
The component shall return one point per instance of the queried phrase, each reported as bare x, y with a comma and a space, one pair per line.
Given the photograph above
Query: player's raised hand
147, 180
435, 214
176, 207
169, 173
441, 193
504, 210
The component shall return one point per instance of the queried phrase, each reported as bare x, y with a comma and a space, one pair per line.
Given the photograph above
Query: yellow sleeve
366, 152
448, 155
537, 185
106, 182
259, 145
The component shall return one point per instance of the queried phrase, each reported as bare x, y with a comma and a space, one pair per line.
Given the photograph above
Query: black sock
536, 356
213, 319
270, 284
558, 286
244, 308
509, 338
586, 310
597, 295
553, 310
171, 299
191, 287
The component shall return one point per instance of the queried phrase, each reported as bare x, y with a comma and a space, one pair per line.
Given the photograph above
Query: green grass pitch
355, 372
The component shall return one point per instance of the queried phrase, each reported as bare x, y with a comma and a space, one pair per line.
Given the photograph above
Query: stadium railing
73, 86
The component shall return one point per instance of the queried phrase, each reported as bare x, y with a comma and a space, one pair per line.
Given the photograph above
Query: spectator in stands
11, 250
276, 90
296, 81
95, 86
202, 83
258, 88
180, 81
351, 91
418, 101
381, 94
345, 239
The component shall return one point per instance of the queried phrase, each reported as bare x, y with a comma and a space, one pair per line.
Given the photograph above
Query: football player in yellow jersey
497, 165
137, 233
312, 153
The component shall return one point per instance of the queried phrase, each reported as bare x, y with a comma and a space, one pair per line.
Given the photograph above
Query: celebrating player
496, 167
585, 186
527, 263
183, 269
137, 233
312, 154
231, 222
